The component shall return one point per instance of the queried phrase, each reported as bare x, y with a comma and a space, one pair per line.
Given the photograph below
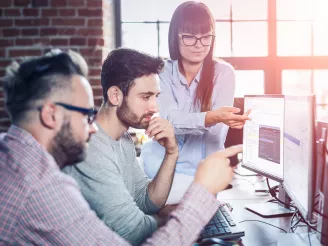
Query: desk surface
256, 233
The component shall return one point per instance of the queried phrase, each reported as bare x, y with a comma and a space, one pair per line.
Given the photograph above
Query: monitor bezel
251, 168
321, 155
312, 170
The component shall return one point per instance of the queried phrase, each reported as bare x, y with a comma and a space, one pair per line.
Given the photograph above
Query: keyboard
222, 225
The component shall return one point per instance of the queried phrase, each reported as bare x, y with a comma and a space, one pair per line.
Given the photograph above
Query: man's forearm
195, 210
159, 188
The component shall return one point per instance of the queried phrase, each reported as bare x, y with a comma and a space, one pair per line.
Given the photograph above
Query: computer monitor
299, 152
263, 149
263, 135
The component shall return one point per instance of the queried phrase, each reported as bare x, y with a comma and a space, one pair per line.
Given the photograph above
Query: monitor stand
272, 209
261, 185
241, 171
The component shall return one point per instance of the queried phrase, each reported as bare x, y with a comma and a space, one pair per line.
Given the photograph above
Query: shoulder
100, 143
101, 154
224, 73
58, 193
168, 65
127, 139
167, 72
222, 66
25, 159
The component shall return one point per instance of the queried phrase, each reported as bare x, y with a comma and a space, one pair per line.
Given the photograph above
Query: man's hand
215, 172
228, 116
163, 133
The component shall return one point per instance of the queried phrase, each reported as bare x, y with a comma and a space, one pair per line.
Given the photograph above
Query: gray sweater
115, 186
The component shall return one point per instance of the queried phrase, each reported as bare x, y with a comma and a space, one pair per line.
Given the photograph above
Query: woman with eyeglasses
197, 95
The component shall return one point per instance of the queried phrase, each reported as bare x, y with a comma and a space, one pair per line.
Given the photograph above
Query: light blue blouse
176, 104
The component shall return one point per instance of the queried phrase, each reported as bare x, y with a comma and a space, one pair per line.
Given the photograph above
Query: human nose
153, 106
93, 128
198, 43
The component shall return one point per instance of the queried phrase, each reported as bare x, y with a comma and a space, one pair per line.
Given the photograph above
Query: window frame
272, 65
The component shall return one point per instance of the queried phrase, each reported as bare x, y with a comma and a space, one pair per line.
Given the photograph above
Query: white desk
256, 233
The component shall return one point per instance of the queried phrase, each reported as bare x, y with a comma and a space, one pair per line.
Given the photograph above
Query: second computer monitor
263, 135
299, 149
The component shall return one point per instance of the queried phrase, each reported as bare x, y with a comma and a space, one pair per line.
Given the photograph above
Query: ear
48, 115
115, 95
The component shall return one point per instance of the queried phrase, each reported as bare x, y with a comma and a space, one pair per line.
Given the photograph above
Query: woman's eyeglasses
191, 40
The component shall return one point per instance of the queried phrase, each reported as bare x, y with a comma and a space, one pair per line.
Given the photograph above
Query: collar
27, 138
182, 79
19, 133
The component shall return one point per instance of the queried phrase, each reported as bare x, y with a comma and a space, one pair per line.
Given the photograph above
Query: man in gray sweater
110, 178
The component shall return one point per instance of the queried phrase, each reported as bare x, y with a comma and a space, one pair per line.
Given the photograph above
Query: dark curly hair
122, 66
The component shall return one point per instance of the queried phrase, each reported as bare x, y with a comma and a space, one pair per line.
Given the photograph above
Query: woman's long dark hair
195, 17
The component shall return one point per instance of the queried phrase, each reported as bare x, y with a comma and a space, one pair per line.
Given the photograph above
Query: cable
309, 236
246, 181
273, 194
294, 227
264, 223
291, 227
245, 175
323, 215
296, 214
316, 203
310, 226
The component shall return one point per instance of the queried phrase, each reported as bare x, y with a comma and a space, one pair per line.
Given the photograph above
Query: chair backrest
235, 136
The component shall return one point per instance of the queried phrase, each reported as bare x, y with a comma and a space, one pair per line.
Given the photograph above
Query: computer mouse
214, 241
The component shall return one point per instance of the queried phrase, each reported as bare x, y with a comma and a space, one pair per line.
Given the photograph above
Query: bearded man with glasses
52, 99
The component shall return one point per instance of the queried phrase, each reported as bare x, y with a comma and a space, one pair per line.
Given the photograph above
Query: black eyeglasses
191, 40
91, 113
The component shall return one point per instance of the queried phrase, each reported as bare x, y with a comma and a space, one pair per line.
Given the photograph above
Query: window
301, 30
149, 29
249, 82
302, 82
147, 41
276, 46
296, 82
294, 38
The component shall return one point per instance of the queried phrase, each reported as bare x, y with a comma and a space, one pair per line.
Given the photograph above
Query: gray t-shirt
113, 183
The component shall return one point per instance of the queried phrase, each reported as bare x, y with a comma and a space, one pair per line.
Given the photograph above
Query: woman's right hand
228, 116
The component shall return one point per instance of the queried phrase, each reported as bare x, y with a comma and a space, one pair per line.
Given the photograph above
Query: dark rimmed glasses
91, 113
191, 40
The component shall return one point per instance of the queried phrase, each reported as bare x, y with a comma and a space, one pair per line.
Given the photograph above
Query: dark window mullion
158, 36
118, 23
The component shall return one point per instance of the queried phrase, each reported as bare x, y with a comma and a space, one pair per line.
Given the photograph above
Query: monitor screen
299, 149
263, 135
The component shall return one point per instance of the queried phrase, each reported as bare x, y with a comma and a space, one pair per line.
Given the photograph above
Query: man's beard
65, 148
130, 119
